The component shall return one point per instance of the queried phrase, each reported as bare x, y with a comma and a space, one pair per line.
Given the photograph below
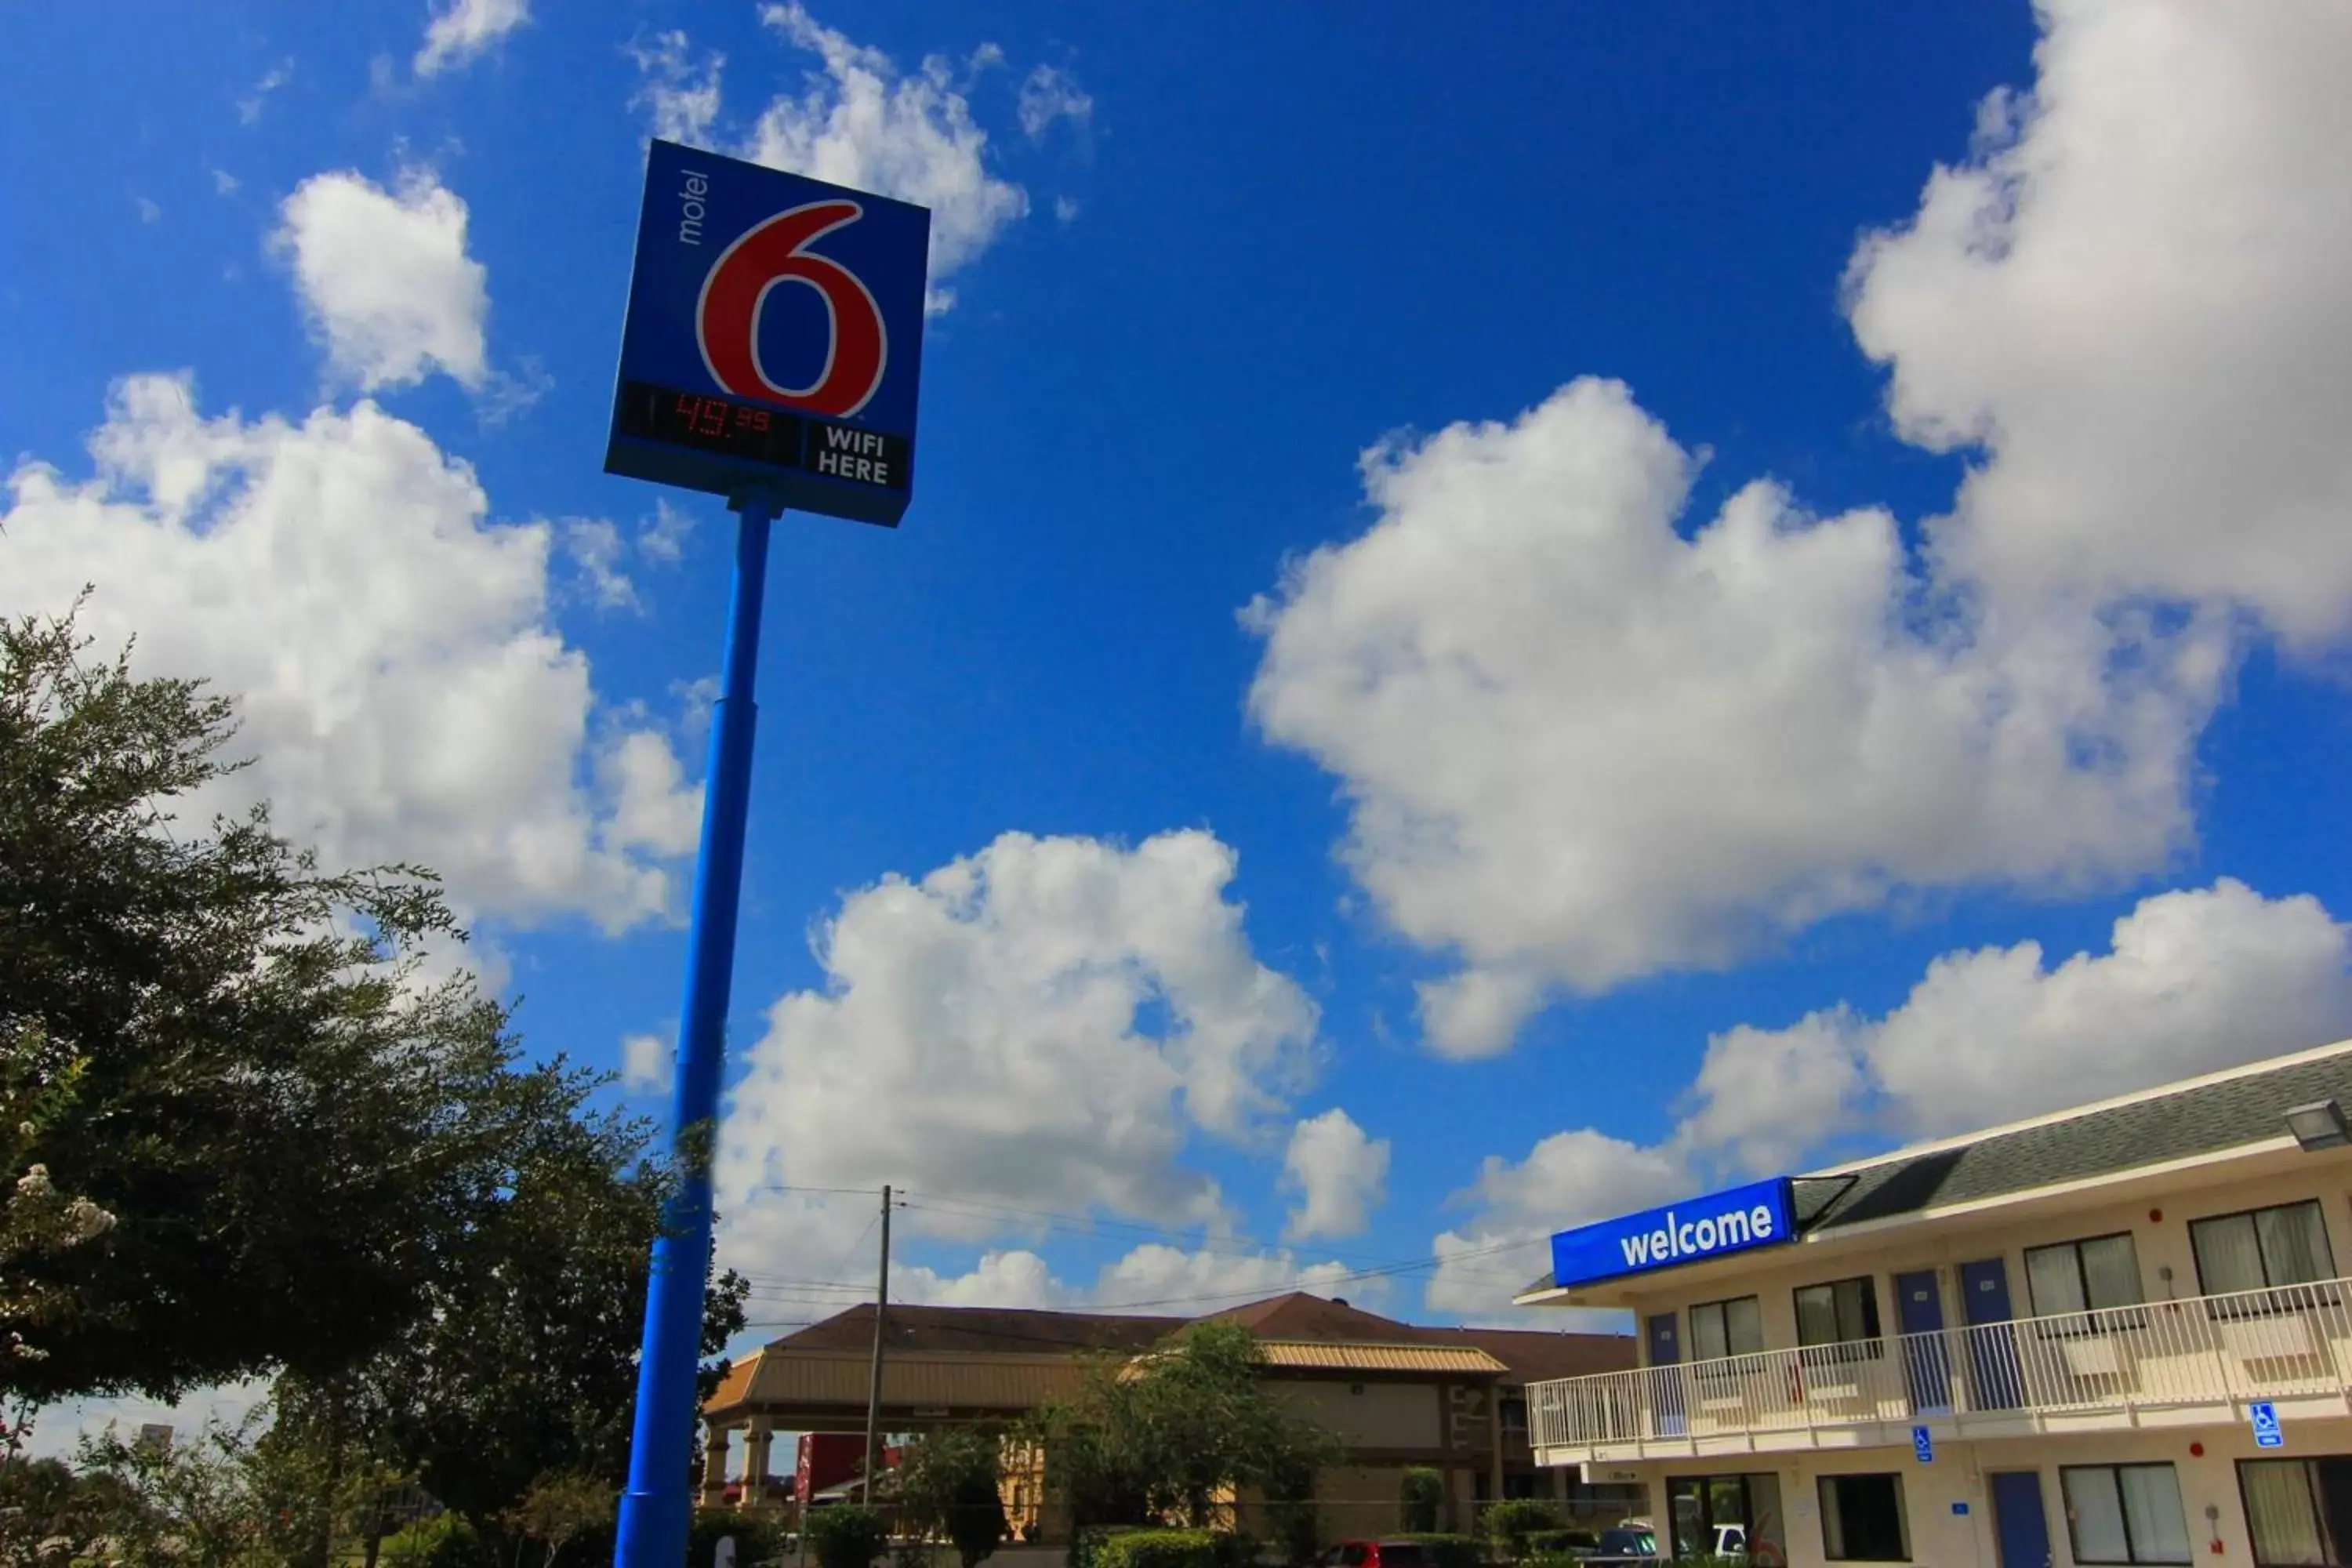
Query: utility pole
873, 1382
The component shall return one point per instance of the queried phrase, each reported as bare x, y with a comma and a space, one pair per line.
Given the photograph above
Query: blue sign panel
1758, 1215
774, 339
1923, 1445
2264, 1415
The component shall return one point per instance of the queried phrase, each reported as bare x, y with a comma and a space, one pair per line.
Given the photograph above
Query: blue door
1666, 1378
2018, 1521
1995, 1382
1919, 1318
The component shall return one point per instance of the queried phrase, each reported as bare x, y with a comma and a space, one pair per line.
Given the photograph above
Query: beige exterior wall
1773, 1275
2156, 1209
1959, 1475
1368, 1414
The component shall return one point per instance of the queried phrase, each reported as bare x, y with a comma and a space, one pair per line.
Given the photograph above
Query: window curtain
2229, 1255
2160, 1530
2279, 1513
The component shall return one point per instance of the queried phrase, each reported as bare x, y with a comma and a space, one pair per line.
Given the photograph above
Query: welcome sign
1737, 1220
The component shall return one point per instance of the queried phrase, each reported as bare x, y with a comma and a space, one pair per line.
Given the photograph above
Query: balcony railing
2287, 1343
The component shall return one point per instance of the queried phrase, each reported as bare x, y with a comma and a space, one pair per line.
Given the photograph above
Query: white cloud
148, 211
1153, 1277
1581, 746
1066, 210
865, 124
1050, 93
2193, 981
386, 280
248, 107
224, 183
662, 538
1340, 1173
59, 1429
680, 97
2136, 298
596, 547
462, 30
1043, 1023
645, 1062
398, 679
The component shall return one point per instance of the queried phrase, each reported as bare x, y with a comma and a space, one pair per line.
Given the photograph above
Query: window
1513, 1408
1861, 1520
2082, 1276
2125, 1513
1844, 1312
2283, 1246
2298, 1511
1721, 1329
1705, 1507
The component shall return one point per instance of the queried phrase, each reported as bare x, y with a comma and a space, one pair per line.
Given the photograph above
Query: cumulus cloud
597, 548
1049, 94
679, 94
249, 108
462, 30
399, 681
862, 122
386, 280
911, 135
1340, 1173
1153, 1277
2136, 302
1580, 745
1043, 1023
2193, 981
645, 1062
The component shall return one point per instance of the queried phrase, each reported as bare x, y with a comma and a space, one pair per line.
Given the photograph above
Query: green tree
1423, 1494
845, 1535
1166, 1438
560, 1509
1513, 1525
949, 1484
285, 1124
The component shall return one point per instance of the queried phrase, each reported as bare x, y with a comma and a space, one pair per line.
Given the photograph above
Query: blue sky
1507, 615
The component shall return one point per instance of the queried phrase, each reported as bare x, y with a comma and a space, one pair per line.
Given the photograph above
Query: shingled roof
2172, 1122
1006, 1331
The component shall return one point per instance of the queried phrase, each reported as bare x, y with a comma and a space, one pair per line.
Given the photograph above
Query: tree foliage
1422, 1493
1166, 1438
315, 1162
949, 1484
845, 1535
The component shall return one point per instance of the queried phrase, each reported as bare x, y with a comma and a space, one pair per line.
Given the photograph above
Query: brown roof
1462, 1360
1005, 1331
1299, 1316
1537, 1355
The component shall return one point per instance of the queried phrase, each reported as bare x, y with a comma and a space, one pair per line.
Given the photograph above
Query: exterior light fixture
2319, 1125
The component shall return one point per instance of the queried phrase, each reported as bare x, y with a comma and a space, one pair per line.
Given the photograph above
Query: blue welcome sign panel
1758, 1215
774, 339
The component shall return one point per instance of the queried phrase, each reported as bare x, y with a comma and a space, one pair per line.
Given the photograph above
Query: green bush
845, 1535
1423, 1495
1449, 1551
1160, 1549
759, 1538
444, 1541
1511, 1525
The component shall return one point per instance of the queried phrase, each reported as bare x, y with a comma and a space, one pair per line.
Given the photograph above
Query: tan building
1396, 1395
2046, 1343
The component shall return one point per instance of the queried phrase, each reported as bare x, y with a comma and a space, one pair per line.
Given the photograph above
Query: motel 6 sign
774, 339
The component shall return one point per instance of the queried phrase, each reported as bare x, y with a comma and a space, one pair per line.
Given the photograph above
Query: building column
714, 1466
1494, 1432
755, 1460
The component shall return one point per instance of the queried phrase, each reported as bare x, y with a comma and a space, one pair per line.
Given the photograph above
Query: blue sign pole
653, 1509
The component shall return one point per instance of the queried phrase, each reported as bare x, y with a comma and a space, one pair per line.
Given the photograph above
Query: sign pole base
656, 1507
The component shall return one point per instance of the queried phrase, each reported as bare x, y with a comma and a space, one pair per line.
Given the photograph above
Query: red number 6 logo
726, 318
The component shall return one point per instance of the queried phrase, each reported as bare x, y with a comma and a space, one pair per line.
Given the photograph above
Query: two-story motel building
2045, 1343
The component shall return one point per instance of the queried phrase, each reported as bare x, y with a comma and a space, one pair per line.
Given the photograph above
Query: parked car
1633, 1543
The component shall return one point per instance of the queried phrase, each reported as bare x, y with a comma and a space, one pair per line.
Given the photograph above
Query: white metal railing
2281, 1342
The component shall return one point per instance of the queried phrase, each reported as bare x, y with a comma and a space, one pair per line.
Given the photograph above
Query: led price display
719, 424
